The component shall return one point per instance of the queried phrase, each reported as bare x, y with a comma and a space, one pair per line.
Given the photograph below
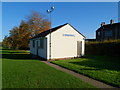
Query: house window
33, 43
41, 43
98, 33
108, 34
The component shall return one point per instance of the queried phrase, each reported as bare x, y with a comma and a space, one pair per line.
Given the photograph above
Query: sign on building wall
71, 35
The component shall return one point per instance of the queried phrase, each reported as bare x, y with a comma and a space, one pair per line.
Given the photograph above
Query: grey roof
109, 25
43, 34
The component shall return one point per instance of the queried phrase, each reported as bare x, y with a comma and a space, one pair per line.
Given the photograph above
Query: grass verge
102, 68
21, 71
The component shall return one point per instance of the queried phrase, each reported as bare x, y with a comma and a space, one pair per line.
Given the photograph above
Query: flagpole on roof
49, 12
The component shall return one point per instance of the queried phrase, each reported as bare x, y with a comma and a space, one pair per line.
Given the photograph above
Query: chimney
103, 23
111, 21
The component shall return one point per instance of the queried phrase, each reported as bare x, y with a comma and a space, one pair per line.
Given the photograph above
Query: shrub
108, 48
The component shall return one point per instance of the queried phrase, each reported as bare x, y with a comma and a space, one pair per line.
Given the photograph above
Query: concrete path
86, 79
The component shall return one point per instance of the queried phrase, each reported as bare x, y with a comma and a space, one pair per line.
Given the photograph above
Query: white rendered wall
64, 46
42, 52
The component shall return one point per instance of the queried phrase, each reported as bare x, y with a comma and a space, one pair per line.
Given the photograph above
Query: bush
107, 48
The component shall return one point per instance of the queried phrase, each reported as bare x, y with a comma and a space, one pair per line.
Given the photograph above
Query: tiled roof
109, 25
43, 34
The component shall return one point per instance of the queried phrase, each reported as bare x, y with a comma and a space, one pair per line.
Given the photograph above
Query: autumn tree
6, 42
24, 35
37, 23
14, 40
19, 36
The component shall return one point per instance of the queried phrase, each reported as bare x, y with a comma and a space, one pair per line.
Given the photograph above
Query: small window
98, 33
42, 43
108, 33
33, 43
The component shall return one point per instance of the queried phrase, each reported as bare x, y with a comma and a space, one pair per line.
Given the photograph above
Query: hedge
106, 48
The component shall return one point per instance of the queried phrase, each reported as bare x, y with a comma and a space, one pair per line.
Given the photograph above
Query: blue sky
84, 16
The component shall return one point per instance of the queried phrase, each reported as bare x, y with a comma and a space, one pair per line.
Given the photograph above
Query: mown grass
103, 68
21, 71
0, 67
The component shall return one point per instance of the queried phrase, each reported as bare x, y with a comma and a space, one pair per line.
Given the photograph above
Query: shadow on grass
17, 56
90, 69
20, 56
13, 52
98, 65
6, 52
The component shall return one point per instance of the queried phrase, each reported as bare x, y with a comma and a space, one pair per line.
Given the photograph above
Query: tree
4, 42
14, 40
19, 36
24, 35
7, 42
37, 23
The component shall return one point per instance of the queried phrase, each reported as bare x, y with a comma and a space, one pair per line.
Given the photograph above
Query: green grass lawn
103, 68
0, 68
21, 71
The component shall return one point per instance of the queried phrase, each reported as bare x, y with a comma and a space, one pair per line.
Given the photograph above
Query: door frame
79, 48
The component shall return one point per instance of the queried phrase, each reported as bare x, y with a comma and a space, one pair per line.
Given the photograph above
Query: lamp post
49, 12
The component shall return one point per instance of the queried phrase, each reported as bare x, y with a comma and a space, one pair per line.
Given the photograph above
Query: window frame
108, 33
98, 33
42, 43
33, 43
